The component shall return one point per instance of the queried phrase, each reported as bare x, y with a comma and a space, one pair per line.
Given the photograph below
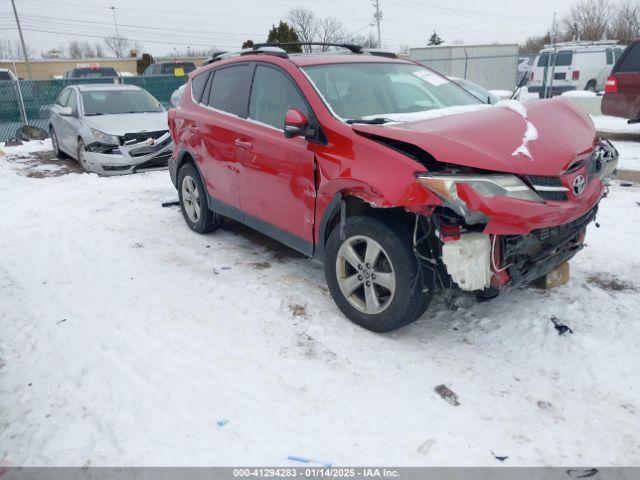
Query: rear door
277, 186
622, 96
216, 123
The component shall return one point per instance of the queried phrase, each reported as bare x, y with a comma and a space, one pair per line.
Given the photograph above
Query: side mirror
65, 111
295, 123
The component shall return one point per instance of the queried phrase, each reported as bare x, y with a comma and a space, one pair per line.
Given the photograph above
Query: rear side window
229, 89
630, 60
609, 53
543, 60
272, 94
198, 85
564, 59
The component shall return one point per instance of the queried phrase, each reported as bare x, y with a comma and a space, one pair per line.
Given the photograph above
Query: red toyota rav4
396, 178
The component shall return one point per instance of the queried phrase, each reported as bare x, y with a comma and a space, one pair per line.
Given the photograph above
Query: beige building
47, 69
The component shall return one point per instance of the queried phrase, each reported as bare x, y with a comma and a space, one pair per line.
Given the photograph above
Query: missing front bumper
130, 158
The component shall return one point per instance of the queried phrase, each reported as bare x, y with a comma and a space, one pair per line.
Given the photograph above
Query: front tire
372, 274
193, 201
82, 160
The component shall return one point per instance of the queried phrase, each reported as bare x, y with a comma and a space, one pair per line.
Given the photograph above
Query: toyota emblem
578, 185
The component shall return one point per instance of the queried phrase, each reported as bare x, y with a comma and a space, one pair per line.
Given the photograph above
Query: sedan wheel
82, 159
365, 274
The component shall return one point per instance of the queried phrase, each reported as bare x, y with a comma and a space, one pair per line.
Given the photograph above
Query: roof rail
261, 48
582, 43
348, 46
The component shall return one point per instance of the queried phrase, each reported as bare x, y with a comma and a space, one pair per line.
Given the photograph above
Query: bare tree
74, 50
11, 49
330, 30
625, 21
588, 20
99, 50
117, 44
305, 24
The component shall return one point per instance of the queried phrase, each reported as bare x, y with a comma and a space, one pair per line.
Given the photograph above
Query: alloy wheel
365, 274
191, 199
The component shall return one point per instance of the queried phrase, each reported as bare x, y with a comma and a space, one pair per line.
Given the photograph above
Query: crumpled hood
128, 123
537, 138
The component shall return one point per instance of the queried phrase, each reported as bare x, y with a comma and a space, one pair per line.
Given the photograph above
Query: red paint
255, 168
622, 89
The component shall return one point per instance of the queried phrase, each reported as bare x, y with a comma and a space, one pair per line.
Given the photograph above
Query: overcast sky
162, 25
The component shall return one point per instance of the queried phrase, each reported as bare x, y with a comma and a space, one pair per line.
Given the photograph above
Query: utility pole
115, 23
378, 16
24, 46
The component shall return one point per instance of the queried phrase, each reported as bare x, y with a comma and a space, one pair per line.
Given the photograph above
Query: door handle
243, 144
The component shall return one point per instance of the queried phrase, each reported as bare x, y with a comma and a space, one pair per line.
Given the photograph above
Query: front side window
543, 60
355, 91
272, 94
109, 102
229, 89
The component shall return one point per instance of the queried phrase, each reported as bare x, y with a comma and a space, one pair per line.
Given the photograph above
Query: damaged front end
135, 152
495, 230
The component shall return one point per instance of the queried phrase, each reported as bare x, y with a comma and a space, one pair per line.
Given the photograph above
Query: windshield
105, 102
94, 72
482, 94
364, 90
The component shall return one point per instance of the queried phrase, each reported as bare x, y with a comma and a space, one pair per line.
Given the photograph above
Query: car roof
92, 87
322, 59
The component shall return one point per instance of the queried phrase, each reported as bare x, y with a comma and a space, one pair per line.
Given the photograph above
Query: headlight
490, 185
104, 138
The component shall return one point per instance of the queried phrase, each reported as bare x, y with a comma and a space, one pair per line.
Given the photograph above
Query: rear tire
193, 201
591, 86
373, 275
56, 145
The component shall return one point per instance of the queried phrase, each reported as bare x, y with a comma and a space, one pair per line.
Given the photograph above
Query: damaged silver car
110, 129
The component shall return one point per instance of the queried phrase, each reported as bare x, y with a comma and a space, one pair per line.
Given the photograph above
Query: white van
574, 65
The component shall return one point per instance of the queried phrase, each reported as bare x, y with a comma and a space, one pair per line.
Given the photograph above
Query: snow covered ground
127, 339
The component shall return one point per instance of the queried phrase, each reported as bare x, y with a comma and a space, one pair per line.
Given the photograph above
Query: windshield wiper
369, 121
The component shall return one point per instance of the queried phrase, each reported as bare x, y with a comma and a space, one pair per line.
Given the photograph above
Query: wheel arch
352, 204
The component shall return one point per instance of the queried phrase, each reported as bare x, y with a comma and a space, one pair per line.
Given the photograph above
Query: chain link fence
28, 102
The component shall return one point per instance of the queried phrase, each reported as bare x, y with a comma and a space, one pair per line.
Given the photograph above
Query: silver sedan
110, 129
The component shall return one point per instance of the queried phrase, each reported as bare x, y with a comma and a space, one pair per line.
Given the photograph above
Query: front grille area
129, 138
533, 255
540, 181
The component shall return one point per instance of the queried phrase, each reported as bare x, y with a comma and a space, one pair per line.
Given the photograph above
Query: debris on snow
611, 283
426, 446
560, 327
171, 204
222, 423
298, 310
588, 472
61, 321
544, 405
447, 394
297, 458
499, 458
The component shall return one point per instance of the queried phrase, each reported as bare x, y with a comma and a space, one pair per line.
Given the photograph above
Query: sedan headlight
105, 138
490, 185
